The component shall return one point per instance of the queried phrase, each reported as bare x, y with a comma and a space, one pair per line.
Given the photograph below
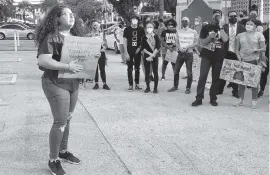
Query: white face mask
150, 30
134, 22
196, 23
249, 28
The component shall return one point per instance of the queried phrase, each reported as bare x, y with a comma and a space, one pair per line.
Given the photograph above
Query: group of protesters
144, 42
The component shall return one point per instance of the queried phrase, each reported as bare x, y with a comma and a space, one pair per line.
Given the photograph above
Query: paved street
119, 132
25, 45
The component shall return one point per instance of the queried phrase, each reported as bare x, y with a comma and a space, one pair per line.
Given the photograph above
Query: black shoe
147, 90
137, 87
96, 86
67, 156
260, 94
130, 88
235, 94
229, 85
151, 78
173, 89
187, 91
155, 91
162, 78
106, 87
56, 168
213, 103
197, 103
89, 80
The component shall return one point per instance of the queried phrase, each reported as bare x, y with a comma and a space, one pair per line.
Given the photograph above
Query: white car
8, 30
111, 41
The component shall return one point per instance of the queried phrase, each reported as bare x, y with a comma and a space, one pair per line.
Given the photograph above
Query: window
14, 27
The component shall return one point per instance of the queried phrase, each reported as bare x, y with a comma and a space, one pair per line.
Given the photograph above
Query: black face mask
233, 20
184, 24
241, 16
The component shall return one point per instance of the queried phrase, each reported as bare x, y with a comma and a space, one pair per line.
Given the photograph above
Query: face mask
249, 28
134, 22
241, 16
184, 24
196, 23
232, 20
150, 30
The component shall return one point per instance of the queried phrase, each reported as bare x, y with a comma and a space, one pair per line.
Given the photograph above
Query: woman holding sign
62, 94
150, 48
248, 47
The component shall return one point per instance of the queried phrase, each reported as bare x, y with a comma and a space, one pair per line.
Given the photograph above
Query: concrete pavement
116, 131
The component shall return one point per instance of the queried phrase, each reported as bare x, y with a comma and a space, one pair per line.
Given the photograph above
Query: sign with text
241, 73
186, 39
84, 50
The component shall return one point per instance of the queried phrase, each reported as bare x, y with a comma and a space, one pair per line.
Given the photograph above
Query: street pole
249, 5
261, 11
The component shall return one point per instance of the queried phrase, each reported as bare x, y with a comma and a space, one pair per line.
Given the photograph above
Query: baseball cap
217, 11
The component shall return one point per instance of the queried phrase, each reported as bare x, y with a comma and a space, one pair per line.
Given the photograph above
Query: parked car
8, 30
111, 41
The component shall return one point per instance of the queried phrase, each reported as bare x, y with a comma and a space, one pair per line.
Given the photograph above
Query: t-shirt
249, 43
169, 36
145, 44
134, 37
266, 36
215, 49
52, 44
186, 37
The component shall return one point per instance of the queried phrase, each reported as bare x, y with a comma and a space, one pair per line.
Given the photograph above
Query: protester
185, 55
266, 72
132, 43
102, 61
168, 40
118, 35
212, 38
150, 47
197, 24
232, 30
62, 94
248, 47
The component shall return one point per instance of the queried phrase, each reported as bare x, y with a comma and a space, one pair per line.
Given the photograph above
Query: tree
125, 8
6, 9
47, 4
25, 6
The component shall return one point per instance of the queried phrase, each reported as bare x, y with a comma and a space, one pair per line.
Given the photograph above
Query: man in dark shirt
266, 72
212, 39
132, 43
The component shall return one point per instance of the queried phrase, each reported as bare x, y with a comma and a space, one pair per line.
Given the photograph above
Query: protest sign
171, 56
241, 73
186, 39
84, 50
196, 66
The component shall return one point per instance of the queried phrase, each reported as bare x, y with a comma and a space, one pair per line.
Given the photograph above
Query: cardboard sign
196, 67
186, 39
84, 50
241, 73
171, 56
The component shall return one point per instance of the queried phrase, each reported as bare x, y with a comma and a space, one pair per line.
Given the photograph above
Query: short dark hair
156, 24
253, 8
231, 11
171, 21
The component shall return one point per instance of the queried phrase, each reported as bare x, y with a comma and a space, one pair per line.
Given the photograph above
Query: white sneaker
239, 103
254, 104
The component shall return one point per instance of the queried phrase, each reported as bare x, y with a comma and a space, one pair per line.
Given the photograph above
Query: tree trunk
161, 8
24, 16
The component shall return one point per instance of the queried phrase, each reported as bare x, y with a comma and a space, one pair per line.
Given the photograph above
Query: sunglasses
170, 24
233, 16
184, 20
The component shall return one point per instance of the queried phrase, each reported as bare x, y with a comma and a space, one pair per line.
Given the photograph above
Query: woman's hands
75, 68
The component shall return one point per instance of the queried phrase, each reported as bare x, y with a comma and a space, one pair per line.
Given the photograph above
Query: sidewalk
145, 134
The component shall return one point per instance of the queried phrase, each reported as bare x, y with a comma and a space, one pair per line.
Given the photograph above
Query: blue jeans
62, 103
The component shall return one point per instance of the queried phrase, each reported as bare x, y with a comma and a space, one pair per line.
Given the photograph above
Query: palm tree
6, 9
161, 8
25, 6
47, 4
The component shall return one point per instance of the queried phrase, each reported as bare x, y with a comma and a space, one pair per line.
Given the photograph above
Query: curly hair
50, 24
171, 21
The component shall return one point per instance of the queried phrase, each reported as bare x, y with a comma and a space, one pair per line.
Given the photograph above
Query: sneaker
213, 103
239, 103
155, 91
197, 103
106, 87
147, 90
254, 104
96, 86
187, 91
67, 156
56, 168
235, 94
137, 87
130, 88
173, 89
162, 78
260, 94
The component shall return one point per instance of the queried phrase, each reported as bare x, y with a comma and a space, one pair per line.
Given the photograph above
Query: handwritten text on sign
84, 50
186, 39
241, 73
